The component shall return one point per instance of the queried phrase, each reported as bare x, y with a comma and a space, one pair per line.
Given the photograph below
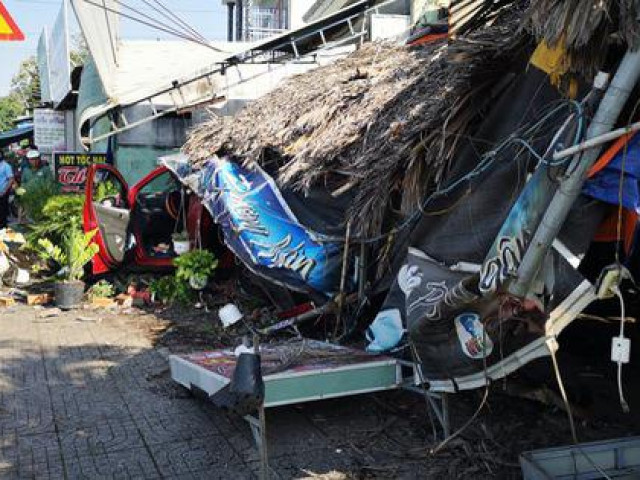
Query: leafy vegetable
192, 270
170, 290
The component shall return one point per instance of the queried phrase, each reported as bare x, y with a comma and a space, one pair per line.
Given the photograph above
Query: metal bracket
438, 401
259, 431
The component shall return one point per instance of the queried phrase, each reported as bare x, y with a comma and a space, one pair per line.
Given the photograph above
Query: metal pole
264, 447
612, 104
594, 142
239, 20
230, 7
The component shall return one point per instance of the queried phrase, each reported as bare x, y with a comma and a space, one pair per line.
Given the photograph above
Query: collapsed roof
382, 124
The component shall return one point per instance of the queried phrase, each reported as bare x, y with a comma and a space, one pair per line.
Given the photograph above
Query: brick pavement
74, 403
89, 397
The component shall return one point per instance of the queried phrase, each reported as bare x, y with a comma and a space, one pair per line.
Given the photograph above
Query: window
109, 190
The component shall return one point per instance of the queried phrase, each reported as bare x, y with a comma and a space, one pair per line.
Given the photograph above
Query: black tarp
456, 329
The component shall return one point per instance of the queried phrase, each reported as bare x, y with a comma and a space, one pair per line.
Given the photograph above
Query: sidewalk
86, 395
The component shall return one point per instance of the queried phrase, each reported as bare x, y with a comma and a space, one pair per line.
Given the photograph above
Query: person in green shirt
36, 168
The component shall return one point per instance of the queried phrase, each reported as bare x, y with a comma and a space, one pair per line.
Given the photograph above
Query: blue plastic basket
618, 458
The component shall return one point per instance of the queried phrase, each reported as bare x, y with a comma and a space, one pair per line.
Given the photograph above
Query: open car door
157, 204
107, 209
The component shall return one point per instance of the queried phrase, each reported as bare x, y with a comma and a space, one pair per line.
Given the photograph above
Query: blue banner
263, 232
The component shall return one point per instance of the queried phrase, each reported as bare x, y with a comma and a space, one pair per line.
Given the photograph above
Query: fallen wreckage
435, 173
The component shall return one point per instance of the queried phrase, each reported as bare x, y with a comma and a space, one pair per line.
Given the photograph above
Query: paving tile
27, 411
165, 429
210, 454
100, 437
39, 454
134, 463
71, 404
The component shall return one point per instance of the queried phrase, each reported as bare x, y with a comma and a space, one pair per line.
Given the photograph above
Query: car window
164, 183
109, 190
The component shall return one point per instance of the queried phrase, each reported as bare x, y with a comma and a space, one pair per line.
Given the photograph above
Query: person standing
6, 182
36, 168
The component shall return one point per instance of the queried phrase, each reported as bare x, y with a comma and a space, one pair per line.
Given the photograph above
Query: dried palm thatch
382, 123
585, 27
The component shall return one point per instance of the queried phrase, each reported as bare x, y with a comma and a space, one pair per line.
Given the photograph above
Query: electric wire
567, 406
616, 289
172, 15
156, 26
175, 29
623, 401
486, 161
483, 402
418, 368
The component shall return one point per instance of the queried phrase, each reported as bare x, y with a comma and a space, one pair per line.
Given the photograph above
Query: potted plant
76, 251
194, 267
181, 242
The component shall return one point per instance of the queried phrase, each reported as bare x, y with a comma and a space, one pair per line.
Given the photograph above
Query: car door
107, 209
155, 215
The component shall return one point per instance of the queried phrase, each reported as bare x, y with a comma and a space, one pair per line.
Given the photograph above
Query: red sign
8, 28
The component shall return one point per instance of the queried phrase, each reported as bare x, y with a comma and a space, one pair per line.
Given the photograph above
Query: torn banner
260, 228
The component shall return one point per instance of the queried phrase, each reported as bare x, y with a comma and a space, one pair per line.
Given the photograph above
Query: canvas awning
15, 135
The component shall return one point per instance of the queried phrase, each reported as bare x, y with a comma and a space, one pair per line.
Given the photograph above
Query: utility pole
610, 107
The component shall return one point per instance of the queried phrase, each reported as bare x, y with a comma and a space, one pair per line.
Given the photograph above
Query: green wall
134, 162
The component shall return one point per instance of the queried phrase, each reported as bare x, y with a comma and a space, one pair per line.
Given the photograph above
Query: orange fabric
611, 152
608, 229
429, 38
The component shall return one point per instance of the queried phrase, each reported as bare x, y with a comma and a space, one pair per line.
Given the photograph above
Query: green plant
101, 289
196, 263
36, 195
171, 290
108, 188
76, 251
192, 270
60, 213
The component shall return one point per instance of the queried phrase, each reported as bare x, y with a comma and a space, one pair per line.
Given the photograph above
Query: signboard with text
49, 130
71, 169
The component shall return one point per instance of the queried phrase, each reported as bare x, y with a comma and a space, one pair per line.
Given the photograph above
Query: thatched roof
585, 27
382, 123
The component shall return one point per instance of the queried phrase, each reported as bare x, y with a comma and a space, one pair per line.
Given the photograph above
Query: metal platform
322, 371
303, 371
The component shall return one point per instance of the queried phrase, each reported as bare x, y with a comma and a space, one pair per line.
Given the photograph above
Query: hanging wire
483, 402
532, 132
152, 24
172, 15
567, 406
177, 32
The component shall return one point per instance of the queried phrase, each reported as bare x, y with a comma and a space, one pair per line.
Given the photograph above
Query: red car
136, 224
